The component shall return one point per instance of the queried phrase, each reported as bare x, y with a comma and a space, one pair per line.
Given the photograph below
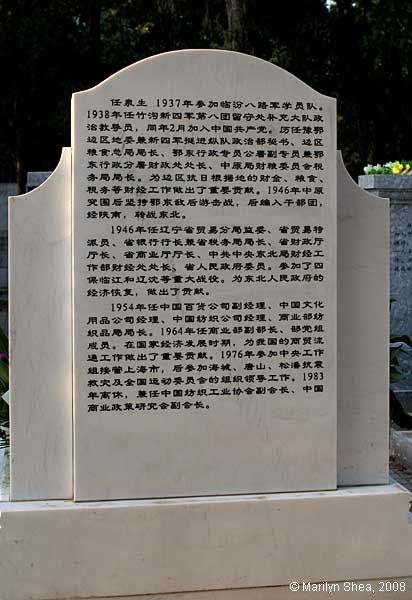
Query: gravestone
204, 229
180, 268
398, 188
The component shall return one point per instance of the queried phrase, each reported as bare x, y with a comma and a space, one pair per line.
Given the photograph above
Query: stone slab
401, 266
386, 182
363, 334
55, 550
399, 191
239, 437
40, 339
401, 274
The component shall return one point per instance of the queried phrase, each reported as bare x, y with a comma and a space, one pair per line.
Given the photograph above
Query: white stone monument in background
199, 321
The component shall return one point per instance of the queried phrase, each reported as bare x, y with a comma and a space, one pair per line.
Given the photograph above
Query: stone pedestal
236, 544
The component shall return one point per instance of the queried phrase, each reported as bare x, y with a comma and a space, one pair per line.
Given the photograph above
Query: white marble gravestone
41, 406
204, 263
251, 220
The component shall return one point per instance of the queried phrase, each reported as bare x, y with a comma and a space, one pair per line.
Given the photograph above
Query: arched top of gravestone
217, 72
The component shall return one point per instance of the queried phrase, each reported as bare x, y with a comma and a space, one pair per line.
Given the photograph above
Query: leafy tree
357, 51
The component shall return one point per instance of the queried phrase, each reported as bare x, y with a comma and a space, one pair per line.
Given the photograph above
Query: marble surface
40, 338
61, 549
363, 333
262, 442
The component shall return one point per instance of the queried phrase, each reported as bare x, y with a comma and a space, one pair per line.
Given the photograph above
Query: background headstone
398, 189
36, 178
204, 240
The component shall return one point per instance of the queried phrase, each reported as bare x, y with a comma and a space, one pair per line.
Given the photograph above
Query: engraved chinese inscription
204, 258
169, 340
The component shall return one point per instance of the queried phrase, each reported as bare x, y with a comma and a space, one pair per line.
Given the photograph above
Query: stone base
55, 550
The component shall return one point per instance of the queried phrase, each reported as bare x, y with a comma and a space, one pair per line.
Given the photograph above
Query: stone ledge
385, 182
55, 550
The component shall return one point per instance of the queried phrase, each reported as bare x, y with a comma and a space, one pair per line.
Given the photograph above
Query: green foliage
357, 51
